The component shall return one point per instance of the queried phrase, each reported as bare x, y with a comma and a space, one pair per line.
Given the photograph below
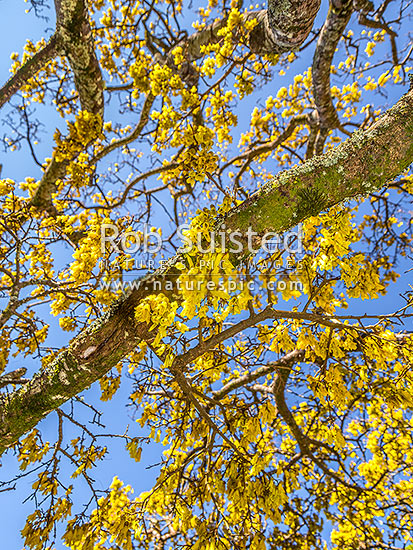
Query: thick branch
42, 198
284, 26
337, 19
75, 35
29, 69
281, 28
75, 32
361, 165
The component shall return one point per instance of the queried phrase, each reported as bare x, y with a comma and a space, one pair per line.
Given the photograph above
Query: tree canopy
271, 362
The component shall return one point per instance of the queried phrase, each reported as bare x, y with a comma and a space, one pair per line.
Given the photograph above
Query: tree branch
284, 362
338, 17
361, 165
75, 37
75, 33
281, 28
29, 69
304, 442
143, 119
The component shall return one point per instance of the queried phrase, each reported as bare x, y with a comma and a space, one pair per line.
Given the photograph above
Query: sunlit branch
340, 174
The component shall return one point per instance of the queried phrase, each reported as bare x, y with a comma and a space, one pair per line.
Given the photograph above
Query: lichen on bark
362, 164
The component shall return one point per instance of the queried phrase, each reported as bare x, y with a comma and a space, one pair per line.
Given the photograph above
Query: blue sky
15, 27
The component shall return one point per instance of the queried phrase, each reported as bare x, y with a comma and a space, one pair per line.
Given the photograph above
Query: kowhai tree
277, 379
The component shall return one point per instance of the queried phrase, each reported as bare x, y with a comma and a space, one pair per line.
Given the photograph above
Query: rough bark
338, 17
361, 165
74, 29
284, 26
281, 28
75, 37
42, 198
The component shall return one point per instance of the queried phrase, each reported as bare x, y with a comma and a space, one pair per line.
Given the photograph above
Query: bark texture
284, 26
281, 28
337, 20
74, 29
361, 165
75, 36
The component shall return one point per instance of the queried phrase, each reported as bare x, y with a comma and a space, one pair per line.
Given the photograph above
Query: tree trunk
361, 165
